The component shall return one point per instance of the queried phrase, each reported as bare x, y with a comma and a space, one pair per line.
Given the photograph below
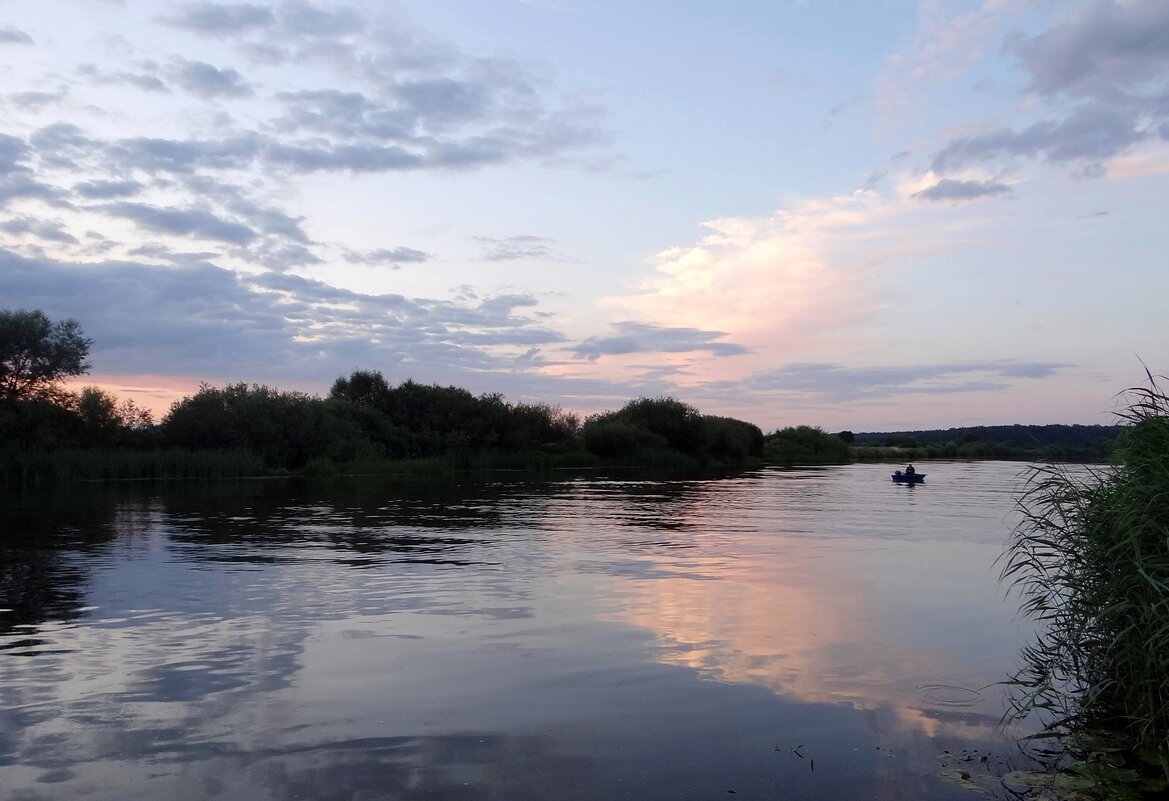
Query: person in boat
909, 471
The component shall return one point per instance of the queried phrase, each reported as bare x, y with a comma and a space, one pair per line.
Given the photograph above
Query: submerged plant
1091, 563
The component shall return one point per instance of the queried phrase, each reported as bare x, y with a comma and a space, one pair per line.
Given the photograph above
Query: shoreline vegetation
365, 425
1090, 563
123, 452
807, 445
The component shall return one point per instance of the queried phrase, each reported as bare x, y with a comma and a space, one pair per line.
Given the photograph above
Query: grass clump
1091, 562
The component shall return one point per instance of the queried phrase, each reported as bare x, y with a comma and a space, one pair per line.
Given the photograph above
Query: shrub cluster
666, 430
805, 445
364, 424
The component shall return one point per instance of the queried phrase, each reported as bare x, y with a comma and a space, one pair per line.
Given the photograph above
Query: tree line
808, 445
367, 424
1041, 443
364, 423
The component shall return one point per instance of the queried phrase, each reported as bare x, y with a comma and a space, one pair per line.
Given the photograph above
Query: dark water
805, 634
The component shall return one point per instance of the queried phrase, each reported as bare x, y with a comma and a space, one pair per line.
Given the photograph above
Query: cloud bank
1100, 79
382, 101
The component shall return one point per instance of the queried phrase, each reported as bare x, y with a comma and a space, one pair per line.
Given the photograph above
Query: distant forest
1059, 443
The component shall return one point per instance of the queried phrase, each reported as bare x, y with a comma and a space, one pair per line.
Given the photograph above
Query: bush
678, 423
804, 445
731, 439
285, 428
610, 438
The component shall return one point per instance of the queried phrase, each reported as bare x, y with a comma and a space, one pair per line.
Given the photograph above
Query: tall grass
36, 467
1091, 563
519, 461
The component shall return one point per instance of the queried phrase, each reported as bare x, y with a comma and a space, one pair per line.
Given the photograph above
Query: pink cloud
782, 287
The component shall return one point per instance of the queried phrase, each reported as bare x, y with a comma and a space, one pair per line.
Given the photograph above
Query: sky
871, 216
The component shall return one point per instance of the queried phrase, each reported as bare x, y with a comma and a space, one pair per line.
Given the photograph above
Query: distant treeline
1050, 443
807, 445
364, 425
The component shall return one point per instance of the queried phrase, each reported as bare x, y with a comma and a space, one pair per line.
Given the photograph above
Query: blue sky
854, 215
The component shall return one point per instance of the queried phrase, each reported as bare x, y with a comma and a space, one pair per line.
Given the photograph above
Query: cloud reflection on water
581, 639
820, 610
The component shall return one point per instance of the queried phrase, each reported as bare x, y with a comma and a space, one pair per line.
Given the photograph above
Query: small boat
908, 478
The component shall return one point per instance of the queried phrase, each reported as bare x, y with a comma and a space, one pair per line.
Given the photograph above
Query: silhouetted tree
680, 424
364, 388
37, 354
104, 420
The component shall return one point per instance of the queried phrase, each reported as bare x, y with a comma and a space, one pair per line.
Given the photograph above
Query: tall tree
36, 355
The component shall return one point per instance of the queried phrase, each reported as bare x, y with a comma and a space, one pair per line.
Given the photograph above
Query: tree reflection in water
495, 639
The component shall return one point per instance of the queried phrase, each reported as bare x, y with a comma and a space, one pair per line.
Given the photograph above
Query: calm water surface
799, 634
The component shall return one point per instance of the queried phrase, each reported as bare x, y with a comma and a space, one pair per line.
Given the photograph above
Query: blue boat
908, 478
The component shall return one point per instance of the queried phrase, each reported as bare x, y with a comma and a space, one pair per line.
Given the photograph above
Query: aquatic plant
1090, 560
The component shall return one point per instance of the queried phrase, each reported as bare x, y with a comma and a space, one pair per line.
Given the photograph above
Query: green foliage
1047, 443
38, 423
108, 422
668, 432
442, 419
728, 439
33, 467
365, 425
37, 354
361, 433
678, 423
367, 388
98, 412
541, 425
900, 441
91, 418
611, 438
285, 428
417, 420
1091, 560
804, 445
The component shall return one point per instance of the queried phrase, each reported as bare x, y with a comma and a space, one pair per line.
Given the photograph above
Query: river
784, 634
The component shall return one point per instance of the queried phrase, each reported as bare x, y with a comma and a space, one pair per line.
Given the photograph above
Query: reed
36, 467
526, 462
1090, 561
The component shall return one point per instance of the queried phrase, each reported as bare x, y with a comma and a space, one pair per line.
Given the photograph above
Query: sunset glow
904, 215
